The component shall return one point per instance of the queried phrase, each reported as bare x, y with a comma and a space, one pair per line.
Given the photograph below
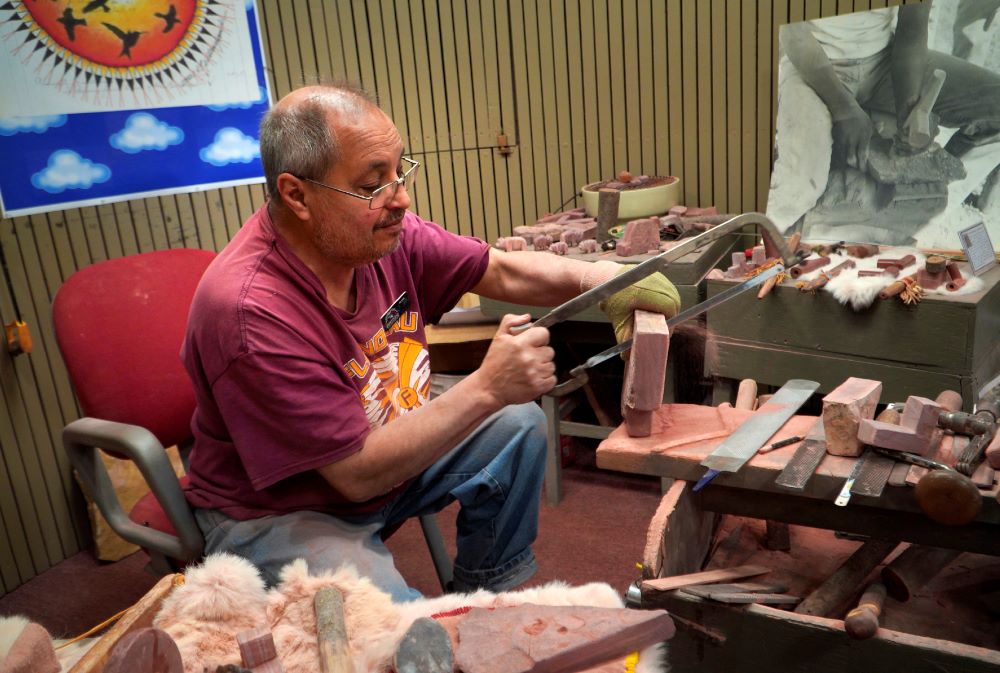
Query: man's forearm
412, 442
909, 57
532, 278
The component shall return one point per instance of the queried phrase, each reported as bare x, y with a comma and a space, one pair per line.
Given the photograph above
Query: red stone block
645, 373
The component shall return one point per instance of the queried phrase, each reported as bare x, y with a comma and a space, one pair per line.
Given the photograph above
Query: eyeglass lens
387, 193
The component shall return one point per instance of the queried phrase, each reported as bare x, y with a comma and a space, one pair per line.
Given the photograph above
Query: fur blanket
225, 595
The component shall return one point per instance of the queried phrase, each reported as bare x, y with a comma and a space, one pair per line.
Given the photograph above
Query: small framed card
978, 248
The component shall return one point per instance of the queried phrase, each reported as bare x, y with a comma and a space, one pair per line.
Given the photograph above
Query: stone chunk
844, 408
640, 237
145, 651
914, 434
425, 648
645, 373
588, 245
536, 638
257, 650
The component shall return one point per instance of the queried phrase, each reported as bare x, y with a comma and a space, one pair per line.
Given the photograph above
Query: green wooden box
941, 343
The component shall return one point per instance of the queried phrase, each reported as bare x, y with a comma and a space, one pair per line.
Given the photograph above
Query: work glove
652, 293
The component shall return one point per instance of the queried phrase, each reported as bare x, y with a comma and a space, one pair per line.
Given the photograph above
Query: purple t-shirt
286, 383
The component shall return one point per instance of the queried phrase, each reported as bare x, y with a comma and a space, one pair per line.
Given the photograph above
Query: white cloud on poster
143, 131
242, 105
37, 124
68, 170
231, 146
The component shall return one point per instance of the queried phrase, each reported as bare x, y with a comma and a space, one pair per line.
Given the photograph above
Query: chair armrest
83, 440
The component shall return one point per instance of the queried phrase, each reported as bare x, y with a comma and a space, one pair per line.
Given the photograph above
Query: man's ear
293, 195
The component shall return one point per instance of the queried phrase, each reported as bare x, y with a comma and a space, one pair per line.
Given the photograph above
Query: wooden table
942, 343
752, 492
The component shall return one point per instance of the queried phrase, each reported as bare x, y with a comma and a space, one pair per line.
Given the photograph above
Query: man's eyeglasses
384, 194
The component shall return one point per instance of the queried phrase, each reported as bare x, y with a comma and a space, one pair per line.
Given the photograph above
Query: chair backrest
120, 325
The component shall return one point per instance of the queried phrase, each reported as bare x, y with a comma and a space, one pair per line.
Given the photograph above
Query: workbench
757, 637
688, 275
942, 343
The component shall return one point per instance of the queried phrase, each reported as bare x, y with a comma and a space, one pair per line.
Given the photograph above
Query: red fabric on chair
120, 325
147, 512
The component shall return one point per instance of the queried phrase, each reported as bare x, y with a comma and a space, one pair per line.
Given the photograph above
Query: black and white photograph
888, 125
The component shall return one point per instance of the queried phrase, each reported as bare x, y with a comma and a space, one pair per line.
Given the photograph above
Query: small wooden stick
843, 584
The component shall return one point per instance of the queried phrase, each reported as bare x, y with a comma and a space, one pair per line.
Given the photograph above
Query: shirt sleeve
287, 415
445, 265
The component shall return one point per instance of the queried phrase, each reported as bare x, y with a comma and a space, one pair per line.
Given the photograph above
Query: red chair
120, 325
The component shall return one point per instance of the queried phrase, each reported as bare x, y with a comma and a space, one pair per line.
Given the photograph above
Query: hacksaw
743, 443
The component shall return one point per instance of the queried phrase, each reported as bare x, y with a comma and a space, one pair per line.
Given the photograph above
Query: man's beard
334, 244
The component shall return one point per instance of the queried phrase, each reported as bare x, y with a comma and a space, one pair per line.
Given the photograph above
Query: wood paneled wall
581, 90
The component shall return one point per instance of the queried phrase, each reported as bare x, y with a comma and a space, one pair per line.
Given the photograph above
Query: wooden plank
567, 185
679, 535
705, 147
617, 43
720, 154
675, 86
938, 338
794, 641
633, 112
590, 96
109, 230
452, 136
661, 585
303, 21
139, 218
364, 39
270, 25
349, 42
765, 113
202, 220
232, 219
479, 180
748, 152
690, 185
188, 224
434, 207
77, 235
523, 73
647, 96
125, 228
139, 616
18, 566
734, 108
510, 188
661, 89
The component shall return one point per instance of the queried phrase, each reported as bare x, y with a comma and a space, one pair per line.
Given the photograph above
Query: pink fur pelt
205, 626
219, 598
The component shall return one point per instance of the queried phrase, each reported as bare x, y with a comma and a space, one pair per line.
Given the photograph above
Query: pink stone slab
843, 410
645, 372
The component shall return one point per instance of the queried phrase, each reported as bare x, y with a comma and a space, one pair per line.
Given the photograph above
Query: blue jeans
495, 474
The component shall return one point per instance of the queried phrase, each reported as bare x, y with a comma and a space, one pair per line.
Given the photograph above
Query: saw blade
683, 316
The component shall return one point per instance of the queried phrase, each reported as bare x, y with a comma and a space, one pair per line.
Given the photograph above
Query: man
305, 343
842, 69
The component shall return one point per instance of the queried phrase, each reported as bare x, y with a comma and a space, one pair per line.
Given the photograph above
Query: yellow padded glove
652, 293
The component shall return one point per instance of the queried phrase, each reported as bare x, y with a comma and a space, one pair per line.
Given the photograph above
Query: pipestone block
588, 245
678, 211
586, 227
256, 647
844, 408
645, 372
921, 414
914, 433
559, 248
759, 256
543, 242
702, 212
640, 237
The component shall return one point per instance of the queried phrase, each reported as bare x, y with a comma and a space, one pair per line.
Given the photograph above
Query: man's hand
652, 293
852, 135
518, 367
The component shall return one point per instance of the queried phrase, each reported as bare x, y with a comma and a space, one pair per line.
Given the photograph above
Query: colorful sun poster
107, 100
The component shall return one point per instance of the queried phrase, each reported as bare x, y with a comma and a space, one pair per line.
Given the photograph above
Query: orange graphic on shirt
397, 381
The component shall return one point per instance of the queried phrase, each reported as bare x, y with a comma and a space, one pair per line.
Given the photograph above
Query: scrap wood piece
663, 584
147, 650
746, 598
331, 631
679, 534
705, 590
845, 582
914, 568
555, 639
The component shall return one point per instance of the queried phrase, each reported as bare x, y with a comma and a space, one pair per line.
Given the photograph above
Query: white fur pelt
860, 293
220, 598
67, 654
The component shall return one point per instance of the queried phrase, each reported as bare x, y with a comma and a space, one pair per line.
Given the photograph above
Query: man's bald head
295, 134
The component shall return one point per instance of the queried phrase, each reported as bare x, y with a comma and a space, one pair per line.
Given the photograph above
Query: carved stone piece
843, 410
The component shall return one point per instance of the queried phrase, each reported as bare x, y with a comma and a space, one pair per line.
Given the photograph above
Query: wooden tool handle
862, 622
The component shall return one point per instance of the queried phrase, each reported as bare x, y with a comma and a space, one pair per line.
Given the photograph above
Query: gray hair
296, 138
